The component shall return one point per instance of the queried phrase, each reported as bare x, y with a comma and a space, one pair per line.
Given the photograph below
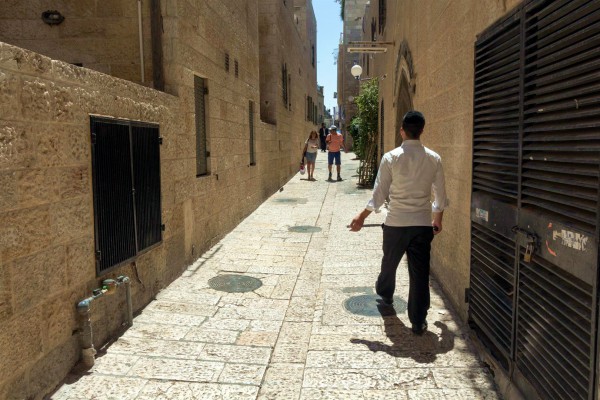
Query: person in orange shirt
335, 141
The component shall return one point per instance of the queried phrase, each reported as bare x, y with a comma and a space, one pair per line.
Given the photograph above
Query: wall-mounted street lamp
356, 71
52, 17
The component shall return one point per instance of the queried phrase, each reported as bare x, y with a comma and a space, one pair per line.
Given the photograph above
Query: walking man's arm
381, 191
438, 187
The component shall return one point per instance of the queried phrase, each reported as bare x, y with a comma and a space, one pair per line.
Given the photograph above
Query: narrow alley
298, 320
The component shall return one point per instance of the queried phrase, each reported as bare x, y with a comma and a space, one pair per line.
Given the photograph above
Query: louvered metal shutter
146, 171
113, 198
496, 112
126, 179
536, 166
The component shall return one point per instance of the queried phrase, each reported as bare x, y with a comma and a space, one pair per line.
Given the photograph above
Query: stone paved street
292, 338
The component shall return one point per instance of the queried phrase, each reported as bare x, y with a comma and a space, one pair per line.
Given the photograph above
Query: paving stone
282, 381
199, 334
236, 354
361, 379
158, 331
156, 348
155, 390
110, 387
321, 394
243, 374
177, 370
158, 317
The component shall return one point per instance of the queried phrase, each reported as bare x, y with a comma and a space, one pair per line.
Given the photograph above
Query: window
251, 128
200, 92
126, 187
290, 92
382, 15
312, 55
284, 87
237, 68
373, 30
227, 62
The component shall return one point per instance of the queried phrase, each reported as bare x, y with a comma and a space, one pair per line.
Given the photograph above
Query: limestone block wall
282, 42
99, 34
47, 231
441, 37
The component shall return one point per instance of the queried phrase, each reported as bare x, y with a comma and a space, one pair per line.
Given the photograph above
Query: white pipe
141, 39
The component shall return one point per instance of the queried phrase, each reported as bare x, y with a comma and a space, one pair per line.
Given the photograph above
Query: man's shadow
422, 349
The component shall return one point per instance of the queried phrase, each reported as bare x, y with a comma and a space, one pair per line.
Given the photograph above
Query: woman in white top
311, 147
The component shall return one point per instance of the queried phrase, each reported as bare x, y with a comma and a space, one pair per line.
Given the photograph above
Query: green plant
364, 124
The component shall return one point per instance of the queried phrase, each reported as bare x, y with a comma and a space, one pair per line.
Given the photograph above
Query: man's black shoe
419, 329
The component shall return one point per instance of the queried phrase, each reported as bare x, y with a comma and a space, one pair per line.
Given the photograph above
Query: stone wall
47, 231
99, 34
439, 37
46, 204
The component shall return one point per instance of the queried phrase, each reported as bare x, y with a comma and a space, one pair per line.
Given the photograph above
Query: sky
329, 27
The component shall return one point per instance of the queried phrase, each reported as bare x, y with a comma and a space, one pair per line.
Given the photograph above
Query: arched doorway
403, 87
403, 105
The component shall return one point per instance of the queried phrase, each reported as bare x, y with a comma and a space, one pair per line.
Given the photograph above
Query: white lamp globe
356, 71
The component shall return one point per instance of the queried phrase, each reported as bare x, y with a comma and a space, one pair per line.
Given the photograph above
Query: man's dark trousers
415, 241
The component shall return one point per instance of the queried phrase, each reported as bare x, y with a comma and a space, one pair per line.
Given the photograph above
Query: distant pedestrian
408, 175
323, 132
335, 141
311, 147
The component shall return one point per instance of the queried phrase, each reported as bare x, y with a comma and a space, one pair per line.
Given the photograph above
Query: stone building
504, 87
185, 99
348, 86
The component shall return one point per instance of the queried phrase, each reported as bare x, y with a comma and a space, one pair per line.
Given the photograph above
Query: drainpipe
141, 39
84, 307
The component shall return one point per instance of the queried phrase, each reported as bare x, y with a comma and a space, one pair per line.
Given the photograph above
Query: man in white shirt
408, 175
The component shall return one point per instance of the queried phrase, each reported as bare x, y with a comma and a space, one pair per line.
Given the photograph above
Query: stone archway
404, 87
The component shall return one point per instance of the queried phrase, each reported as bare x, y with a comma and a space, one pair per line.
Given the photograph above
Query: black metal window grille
126, 185
227, 62
284, 86
289, 92
382, 15
373, 30
237, 68
251, 128
200, 92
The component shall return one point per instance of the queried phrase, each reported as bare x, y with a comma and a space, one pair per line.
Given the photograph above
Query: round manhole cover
304, 229
234, 283
368, 306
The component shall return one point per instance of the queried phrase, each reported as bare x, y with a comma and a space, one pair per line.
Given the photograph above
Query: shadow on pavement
405, 344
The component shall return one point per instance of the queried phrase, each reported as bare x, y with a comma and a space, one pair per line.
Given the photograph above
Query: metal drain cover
367, 305
291, 200
234, 283
304, 229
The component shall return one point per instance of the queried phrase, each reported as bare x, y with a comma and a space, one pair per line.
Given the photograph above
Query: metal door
534, 208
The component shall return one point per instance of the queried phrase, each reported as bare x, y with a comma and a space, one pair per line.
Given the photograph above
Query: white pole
141, 39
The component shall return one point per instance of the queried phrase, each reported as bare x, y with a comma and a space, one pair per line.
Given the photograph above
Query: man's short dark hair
413, 124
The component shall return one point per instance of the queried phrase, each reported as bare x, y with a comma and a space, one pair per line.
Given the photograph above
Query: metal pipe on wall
109, 286
141, 37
